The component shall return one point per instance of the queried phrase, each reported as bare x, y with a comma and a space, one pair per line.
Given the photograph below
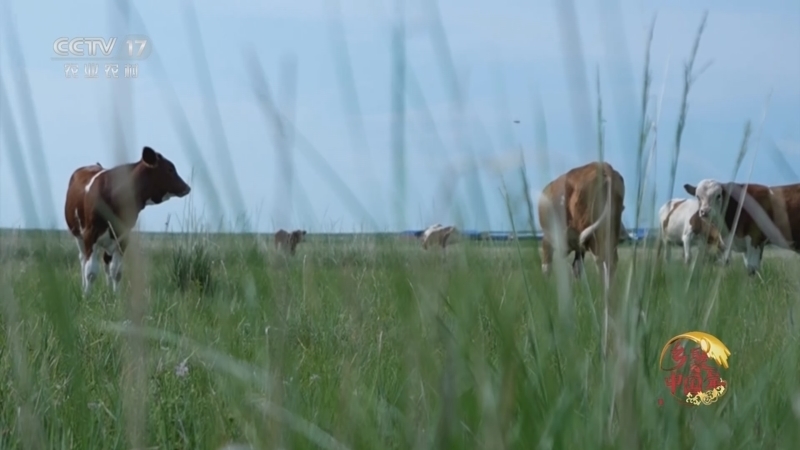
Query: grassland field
369, 343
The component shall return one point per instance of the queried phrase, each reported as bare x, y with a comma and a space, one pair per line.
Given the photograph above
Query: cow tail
606, 211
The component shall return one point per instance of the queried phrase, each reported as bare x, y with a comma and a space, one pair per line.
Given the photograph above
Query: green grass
370, 344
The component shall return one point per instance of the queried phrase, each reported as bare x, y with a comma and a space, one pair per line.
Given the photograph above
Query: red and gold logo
695, 379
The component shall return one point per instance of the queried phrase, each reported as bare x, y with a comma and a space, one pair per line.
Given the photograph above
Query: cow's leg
546, 251
607, 266
725, 253
662, 248
90, 263
752, 256
444, 240
606, 257
577, 263
81, 256
115, 266
687, 246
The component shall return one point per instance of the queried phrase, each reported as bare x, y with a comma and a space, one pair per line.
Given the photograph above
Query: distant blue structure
637, 234
412, 233
470, 234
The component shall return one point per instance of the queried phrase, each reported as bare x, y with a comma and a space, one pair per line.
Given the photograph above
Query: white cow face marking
709, 195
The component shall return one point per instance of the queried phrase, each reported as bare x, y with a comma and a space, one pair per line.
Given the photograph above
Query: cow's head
297, 237
160, 180
710, 195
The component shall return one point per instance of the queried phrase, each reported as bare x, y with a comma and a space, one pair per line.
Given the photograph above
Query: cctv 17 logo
693, 376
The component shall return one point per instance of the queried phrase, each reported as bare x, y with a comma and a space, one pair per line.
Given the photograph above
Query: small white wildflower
236, 447
182, 369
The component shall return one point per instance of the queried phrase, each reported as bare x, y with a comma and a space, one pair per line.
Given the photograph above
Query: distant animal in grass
681, 224
102, 205
437, 234
287, 241
582, 210
769, 215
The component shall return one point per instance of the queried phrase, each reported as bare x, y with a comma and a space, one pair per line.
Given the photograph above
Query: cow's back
675, 214
664, 213
589, 193
552, 203
771, 200
785, 212
74, 210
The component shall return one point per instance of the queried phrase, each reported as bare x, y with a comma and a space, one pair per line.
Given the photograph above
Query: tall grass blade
179, 120
219, 140
314, 157
398, 123
458, 100
347, 87
30, 123
689, 77
19, 169
283, 133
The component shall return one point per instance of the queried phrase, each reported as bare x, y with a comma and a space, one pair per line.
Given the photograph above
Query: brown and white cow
769, 215
582, 210
681, 224
102, 206
436, 234
288, 241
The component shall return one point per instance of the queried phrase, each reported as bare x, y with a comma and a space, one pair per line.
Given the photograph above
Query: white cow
681, 224
436, 234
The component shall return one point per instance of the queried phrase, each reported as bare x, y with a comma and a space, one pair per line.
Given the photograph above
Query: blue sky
513, 58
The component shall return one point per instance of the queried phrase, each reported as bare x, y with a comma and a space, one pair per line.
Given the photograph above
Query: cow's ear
149, 156
690, 189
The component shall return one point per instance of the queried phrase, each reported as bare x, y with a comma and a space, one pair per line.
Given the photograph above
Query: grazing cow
436, 234
681, 224
102, 206
582, 210
769, 215
285, 240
